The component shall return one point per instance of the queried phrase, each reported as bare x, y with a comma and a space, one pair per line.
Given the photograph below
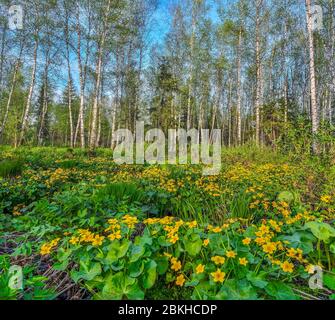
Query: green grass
11, 168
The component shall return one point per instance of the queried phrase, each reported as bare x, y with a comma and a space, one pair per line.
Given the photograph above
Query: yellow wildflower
231, 254
176, 265
326, 199
192, 224
74, 240
180, 280
98, 240
246, 241
115, 236
200, 269
243, 261
173, 239
217, 230
45, 249
287, 267
218, 276
269, 247
218, 260
206, 242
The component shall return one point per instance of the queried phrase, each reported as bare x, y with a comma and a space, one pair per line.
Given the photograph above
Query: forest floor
78, 226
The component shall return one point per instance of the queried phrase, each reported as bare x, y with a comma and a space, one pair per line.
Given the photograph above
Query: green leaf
329, 281
137, 251
257, 280
300, 239
237, 290
150, 274
118, 265
63, 256
136, 268
162, 265
322, 231
280, 291
286, 196
145, 238
118, 286
117, 250
193, 244
86, 272
192, 283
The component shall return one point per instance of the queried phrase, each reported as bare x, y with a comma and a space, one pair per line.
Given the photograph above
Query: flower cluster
48, 247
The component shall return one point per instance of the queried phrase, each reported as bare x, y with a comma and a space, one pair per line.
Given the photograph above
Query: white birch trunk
314, 108
30, 94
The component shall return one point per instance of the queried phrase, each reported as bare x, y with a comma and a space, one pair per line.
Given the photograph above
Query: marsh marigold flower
45, 249
200, 269
269, 247
260, 240
115, 236
218, 260
180, 280
192, 224
217, 230
218, 276
246, 241
176, 265
287, 267
74, 240
243, 261
291, 253
206, 242
173, 239
98, 240
231, 254
326, 199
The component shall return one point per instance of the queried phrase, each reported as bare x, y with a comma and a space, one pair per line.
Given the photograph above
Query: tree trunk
190, 85
239, 87
93, 135
69, 80
45, 100
2, 57
30, 94
258, 72
229, 113
82, 79
330, 115
314, 108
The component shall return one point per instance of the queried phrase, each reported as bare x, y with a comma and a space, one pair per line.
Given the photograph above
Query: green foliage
122, 191
11, 168
240, 207
64, 206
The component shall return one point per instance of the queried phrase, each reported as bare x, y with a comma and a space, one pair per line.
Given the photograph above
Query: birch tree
314, 107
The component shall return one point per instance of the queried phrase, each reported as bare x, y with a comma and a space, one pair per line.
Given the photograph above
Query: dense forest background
257, 69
